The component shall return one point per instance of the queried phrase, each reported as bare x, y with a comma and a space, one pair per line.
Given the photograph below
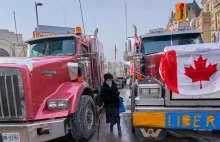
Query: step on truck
177, 88
54, 91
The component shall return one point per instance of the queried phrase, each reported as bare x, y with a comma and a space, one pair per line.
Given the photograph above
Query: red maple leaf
201, 72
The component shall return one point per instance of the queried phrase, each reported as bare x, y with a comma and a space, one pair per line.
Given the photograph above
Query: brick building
9, 45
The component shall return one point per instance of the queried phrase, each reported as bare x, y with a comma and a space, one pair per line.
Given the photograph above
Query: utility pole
82, 17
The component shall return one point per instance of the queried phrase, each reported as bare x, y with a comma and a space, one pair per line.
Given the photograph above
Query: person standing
109, 99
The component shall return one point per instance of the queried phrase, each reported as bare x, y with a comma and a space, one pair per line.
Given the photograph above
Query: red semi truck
172, 91
53, 91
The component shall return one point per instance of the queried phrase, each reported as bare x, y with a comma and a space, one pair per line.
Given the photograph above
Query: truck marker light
139, 77
80, 79
78, 30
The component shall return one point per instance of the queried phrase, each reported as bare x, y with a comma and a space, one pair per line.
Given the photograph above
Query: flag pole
115, 52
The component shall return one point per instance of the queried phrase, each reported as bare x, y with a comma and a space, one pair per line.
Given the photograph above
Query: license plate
11, 137
193, 120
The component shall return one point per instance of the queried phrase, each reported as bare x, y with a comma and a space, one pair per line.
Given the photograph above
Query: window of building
207, 8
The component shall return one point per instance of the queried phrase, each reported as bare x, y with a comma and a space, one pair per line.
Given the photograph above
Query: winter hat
108, 76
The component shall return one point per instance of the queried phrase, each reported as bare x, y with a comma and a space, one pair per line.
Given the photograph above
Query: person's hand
100, 108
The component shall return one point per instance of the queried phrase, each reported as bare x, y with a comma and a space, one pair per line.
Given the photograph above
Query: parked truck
52, 92
174, 88
119, 72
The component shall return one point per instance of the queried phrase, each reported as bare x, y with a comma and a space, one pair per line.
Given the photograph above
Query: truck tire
132, 107
82, 123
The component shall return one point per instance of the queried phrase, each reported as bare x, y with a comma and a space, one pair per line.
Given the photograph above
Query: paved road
127, 136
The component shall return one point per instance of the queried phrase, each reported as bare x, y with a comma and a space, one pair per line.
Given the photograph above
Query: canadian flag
192, 69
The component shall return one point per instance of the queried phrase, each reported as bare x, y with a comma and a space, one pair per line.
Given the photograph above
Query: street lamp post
37, 4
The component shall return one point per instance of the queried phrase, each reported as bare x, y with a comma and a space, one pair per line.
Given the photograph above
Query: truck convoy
119, 72
54, 90
176, 87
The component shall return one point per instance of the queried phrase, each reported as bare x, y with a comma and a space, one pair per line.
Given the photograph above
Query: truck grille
12, 101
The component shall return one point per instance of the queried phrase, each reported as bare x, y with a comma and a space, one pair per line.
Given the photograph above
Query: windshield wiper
41, 49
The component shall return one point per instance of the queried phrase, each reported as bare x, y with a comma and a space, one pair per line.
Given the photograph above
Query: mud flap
144, 133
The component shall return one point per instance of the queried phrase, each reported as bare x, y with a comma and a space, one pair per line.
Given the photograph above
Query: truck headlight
145, 91
53, 104
154, 91
149, 91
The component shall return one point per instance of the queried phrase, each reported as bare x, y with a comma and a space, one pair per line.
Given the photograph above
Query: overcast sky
107, 15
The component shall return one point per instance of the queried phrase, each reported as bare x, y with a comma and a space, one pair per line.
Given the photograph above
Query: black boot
111, 127
119, 130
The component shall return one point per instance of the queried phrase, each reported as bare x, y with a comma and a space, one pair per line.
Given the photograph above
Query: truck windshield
157, 44
52, 47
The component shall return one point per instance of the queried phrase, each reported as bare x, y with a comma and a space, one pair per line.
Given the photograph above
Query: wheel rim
89, 116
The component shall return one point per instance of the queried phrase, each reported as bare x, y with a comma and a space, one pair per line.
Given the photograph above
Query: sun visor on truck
192, 69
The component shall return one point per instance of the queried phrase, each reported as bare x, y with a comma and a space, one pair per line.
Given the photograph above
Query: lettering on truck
208, 121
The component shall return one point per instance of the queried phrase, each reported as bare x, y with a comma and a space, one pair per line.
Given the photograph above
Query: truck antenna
82, 17
16, 32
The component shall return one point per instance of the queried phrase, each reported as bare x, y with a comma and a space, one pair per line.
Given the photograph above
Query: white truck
118, 70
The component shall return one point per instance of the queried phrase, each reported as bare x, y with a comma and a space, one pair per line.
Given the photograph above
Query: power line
82, 17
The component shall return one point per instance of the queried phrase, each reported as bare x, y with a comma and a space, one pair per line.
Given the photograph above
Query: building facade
203, 23
9, 47
209, 20
193, 11
215, 19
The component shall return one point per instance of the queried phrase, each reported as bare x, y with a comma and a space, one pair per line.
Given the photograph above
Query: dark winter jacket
109, 95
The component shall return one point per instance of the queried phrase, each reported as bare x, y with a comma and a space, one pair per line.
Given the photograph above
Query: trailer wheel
82, 123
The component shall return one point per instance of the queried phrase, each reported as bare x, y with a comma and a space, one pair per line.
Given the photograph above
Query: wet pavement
106, 136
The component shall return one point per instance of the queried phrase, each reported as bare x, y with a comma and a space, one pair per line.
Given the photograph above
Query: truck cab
118, 70
54, 91
157, 108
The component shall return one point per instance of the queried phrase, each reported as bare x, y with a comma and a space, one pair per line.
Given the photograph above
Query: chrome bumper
33, 131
